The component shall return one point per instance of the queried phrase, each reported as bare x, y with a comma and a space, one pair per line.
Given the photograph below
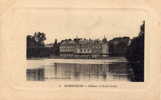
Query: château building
84, 48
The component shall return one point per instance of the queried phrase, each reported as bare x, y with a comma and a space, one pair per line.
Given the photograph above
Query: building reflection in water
71, 71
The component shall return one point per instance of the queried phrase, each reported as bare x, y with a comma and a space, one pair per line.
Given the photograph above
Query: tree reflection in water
104, 72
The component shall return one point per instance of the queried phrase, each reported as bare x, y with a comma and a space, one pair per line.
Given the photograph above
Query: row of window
69, 47
85, 50
80, 50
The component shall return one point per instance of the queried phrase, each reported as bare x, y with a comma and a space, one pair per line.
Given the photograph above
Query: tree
118, 46
135, 55
135, 52
39, 38
29, 41
56, 48
36, 45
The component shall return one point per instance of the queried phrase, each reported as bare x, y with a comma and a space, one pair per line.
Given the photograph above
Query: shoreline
49, 62
107, 58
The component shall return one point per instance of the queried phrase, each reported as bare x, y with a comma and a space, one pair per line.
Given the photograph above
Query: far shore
33, 63
58, 57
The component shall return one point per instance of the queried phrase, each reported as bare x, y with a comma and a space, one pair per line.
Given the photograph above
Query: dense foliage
135, 55
36, 45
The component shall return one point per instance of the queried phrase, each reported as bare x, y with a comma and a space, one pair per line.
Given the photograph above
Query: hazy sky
95, 24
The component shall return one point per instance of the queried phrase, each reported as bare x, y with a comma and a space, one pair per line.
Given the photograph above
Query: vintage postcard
53, 50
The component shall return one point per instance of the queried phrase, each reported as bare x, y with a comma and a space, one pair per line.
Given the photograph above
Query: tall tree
36, 45
135, 52
135, 55
56, 48
39, 38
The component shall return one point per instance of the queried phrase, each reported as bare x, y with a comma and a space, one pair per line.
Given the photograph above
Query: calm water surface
66, 70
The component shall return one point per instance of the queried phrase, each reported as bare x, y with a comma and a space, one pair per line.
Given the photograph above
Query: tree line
36, 46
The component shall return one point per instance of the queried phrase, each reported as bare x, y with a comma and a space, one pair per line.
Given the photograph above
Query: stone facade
84, 48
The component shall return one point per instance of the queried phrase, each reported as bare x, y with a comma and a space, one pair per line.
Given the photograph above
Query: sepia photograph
86, 55
63, 49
